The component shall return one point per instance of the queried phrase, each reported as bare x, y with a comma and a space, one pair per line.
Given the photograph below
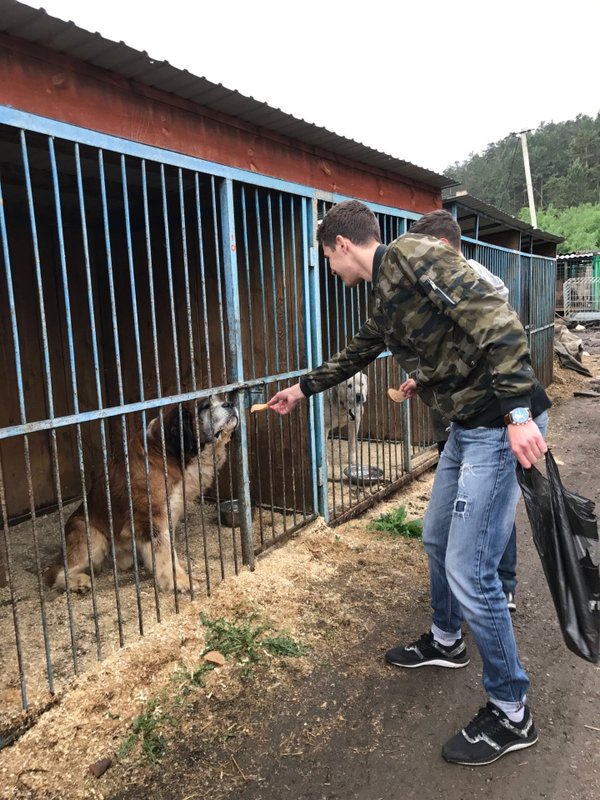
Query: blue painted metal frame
123, 148
315, 358
232, 295
506, 249
104, 142
334, 197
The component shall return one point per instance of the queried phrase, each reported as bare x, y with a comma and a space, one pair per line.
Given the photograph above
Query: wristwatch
518, 416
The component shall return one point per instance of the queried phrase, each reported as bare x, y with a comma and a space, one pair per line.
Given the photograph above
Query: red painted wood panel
41, 81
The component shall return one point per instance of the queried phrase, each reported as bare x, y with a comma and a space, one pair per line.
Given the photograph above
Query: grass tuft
247, 643
394, 523
145, 730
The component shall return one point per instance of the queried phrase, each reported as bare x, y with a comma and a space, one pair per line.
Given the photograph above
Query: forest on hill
565, 170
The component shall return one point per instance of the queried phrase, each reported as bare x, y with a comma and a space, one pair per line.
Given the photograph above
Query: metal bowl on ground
229, 511
363, 474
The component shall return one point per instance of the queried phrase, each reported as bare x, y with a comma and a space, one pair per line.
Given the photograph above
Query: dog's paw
183, 584
80, 583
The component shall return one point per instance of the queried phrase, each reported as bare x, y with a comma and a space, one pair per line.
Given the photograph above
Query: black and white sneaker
488, 737
426, 652
510, 602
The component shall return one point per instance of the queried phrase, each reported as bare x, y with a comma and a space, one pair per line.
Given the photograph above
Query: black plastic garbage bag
565, 532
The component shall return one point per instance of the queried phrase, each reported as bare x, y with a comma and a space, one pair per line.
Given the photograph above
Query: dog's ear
175, 433
171, 427
190, 444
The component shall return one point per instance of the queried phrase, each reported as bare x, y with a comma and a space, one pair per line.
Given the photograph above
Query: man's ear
342, 243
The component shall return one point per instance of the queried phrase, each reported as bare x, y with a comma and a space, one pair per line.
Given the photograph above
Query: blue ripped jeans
466, 530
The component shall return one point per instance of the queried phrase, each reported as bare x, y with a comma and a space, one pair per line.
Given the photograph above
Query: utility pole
523, 136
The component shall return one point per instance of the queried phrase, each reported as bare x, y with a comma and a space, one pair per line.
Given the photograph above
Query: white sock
516, 716
443, 638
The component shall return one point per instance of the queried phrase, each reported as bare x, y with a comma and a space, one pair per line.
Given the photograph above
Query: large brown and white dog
344, 406
194, 455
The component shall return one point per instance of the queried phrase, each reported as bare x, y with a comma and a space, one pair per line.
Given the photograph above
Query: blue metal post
313, 333
237, 365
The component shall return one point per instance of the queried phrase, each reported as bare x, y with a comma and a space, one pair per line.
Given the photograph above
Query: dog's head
217, 419
352, 394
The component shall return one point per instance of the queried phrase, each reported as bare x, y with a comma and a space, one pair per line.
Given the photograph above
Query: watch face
519, 415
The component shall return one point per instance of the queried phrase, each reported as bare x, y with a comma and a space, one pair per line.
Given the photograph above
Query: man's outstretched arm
287, 399
365, 346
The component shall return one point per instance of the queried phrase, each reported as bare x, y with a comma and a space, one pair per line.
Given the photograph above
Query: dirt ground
337, 722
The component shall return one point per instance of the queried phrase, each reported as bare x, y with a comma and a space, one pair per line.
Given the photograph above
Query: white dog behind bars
344, 407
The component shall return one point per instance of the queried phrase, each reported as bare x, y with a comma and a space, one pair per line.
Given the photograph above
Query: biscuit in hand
396, 395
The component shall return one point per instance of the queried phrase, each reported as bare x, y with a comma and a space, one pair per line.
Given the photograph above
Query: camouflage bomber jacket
450, 330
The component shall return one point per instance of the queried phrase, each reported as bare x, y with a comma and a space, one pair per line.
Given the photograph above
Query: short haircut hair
440, 224
351, 219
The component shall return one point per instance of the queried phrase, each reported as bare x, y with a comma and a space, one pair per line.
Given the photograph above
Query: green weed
145, 730
247, 643
188, 679
394, 523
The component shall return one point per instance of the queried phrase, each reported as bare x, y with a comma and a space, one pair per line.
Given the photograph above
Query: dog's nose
360, 398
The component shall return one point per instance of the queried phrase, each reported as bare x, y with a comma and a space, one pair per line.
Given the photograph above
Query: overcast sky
427, 81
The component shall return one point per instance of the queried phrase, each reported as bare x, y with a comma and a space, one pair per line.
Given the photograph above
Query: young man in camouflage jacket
467, 354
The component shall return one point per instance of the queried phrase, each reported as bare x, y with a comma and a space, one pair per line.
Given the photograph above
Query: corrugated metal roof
503, 219
36, 25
